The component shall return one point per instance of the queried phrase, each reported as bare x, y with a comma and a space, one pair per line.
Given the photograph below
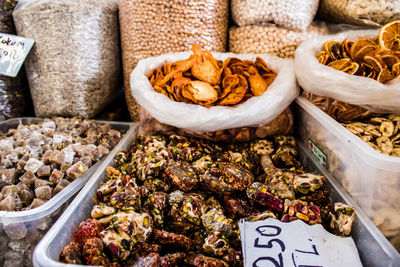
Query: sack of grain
259, 116
360, 12
74, 67
13, 91
271, 39
295, 14
154, 27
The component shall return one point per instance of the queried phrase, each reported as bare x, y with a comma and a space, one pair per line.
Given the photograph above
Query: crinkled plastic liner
322, 80
12, 90
255, 111
281, 125
295, 14
360, 12
154, 27
74, 66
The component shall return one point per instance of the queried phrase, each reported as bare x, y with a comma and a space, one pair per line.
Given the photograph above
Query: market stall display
29, 203
154, 27
13, 90
359, 12
371, 178
291, 14
255, 112
268, 38
74, 67
188, 197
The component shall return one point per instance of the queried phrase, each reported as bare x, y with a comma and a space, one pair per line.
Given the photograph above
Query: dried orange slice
340, 64
346, 45
384, 76
376, 63
362, 47
323, 57
334, 49
389, 36
396, 70
389, 58
352, 68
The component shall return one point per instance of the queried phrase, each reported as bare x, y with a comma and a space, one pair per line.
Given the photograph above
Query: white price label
295, 244
13, 51
319, 155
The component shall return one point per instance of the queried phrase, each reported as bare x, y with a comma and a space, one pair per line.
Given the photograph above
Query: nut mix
39, 160
296, 14
205, 81
381, 133
154, 27
173, 200
64, 79
267, 38
377, 58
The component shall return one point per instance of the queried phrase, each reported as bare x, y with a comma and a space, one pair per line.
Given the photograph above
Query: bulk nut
270, 39
74, 67
154, 27
295, 14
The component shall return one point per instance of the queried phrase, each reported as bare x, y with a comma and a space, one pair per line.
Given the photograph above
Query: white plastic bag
294, 14
196, 118
322, 80
360, 12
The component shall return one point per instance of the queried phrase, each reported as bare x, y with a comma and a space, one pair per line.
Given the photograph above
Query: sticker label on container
295, 244
13, 51
319, 155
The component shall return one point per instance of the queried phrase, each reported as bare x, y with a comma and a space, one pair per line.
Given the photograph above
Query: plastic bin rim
55, 202
374, 158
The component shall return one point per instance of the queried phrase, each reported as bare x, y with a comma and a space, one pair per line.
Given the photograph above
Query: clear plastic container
371, 178
20, 231
374, 248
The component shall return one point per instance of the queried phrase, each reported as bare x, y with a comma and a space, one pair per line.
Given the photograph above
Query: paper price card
295, 244
13, 51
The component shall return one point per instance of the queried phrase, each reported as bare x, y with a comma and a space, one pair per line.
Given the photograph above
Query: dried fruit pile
203, 80
381, 133
174, 201
38, 160
377, 58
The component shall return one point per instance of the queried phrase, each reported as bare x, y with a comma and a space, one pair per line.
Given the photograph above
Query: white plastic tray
20, 231
374, 249
371, 178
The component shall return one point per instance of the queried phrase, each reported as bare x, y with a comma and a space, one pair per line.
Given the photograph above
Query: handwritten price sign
13, 51
295, 244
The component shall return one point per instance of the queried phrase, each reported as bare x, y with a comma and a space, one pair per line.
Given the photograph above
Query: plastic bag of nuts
360, 12
271, 39
12, 90
295, 14
154, 27
74, 67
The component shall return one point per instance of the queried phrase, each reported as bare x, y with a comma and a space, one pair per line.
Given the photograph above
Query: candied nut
75, 170
7, 177
56, 176
60, 186
43, 192
43, 171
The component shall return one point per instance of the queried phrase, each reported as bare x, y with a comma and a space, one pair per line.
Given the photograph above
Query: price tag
295, 244
13, 51
319, 155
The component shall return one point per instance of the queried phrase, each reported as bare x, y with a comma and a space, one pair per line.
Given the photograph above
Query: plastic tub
373, 247
371, 178
20, 231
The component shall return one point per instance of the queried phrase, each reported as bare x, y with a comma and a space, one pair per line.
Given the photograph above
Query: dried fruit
366, 57
205, 81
